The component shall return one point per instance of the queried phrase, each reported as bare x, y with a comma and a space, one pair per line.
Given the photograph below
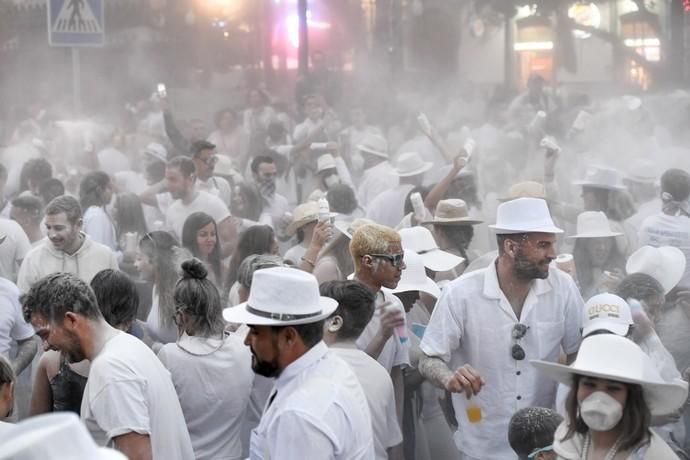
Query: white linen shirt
472, 324
318, 411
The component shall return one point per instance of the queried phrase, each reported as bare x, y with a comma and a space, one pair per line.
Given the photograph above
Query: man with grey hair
67, 248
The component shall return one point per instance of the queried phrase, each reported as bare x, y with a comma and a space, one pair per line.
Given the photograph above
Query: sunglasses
395, 259
519, 331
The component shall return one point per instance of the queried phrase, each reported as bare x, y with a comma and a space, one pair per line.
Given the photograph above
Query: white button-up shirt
473, 323
317, 410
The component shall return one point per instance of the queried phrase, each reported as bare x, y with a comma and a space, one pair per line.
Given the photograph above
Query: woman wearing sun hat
598, 260
615, 391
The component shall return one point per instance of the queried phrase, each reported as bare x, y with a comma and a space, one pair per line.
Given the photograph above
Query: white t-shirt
129, 390
13, 249
664, 230
388, 208
12, 324
99, 226
178, 212
394, 352
378, 389
112, 161
213, 379
216, 186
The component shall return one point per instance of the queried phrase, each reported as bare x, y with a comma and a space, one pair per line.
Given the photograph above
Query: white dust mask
601, 412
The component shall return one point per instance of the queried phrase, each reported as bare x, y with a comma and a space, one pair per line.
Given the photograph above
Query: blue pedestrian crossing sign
76, 23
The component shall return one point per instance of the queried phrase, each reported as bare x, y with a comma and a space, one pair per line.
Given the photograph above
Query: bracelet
304, 259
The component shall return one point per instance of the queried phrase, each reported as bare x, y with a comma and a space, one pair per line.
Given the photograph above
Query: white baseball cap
606, 312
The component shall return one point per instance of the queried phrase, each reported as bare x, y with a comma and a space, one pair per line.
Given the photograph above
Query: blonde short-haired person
377, 256
615, 392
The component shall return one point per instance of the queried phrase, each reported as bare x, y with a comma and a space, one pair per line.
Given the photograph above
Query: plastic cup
474, 412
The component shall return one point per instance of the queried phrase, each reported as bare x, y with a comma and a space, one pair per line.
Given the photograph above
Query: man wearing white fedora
488, 322
388, 208
129, 399
378, 173
317, 408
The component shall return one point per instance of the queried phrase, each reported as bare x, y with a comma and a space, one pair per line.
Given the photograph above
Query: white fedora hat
665, 264
282, 296
374, 144
593, 224
612, 357
526, 189
348, 227
156, 150
451, 212
324, 162
606, 312
414, 277
524, 215
602, 177
411, 164
643, 171
53, 436
304, 214
421, 241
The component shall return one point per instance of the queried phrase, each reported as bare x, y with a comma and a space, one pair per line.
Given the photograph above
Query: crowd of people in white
450, 287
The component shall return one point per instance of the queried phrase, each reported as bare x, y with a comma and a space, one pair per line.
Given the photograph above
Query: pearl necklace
610, 455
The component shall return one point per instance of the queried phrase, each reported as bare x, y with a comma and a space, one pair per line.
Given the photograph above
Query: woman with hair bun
211, 369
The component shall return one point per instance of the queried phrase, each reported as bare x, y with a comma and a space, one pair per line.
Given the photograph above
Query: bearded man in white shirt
490, 323
356, 304
317, 408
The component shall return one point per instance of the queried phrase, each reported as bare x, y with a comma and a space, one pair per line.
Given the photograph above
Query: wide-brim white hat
411, 164
420, 240
593, 224
602, 177
282, 296
414, 277
452, 211
348, 227
665, 264
612, 357
374, 144
524, 215
53, 436
304, 214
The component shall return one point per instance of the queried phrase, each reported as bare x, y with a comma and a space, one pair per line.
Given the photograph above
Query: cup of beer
474, 412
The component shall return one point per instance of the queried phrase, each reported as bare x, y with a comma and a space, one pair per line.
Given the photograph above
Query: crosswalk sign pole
76, 81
